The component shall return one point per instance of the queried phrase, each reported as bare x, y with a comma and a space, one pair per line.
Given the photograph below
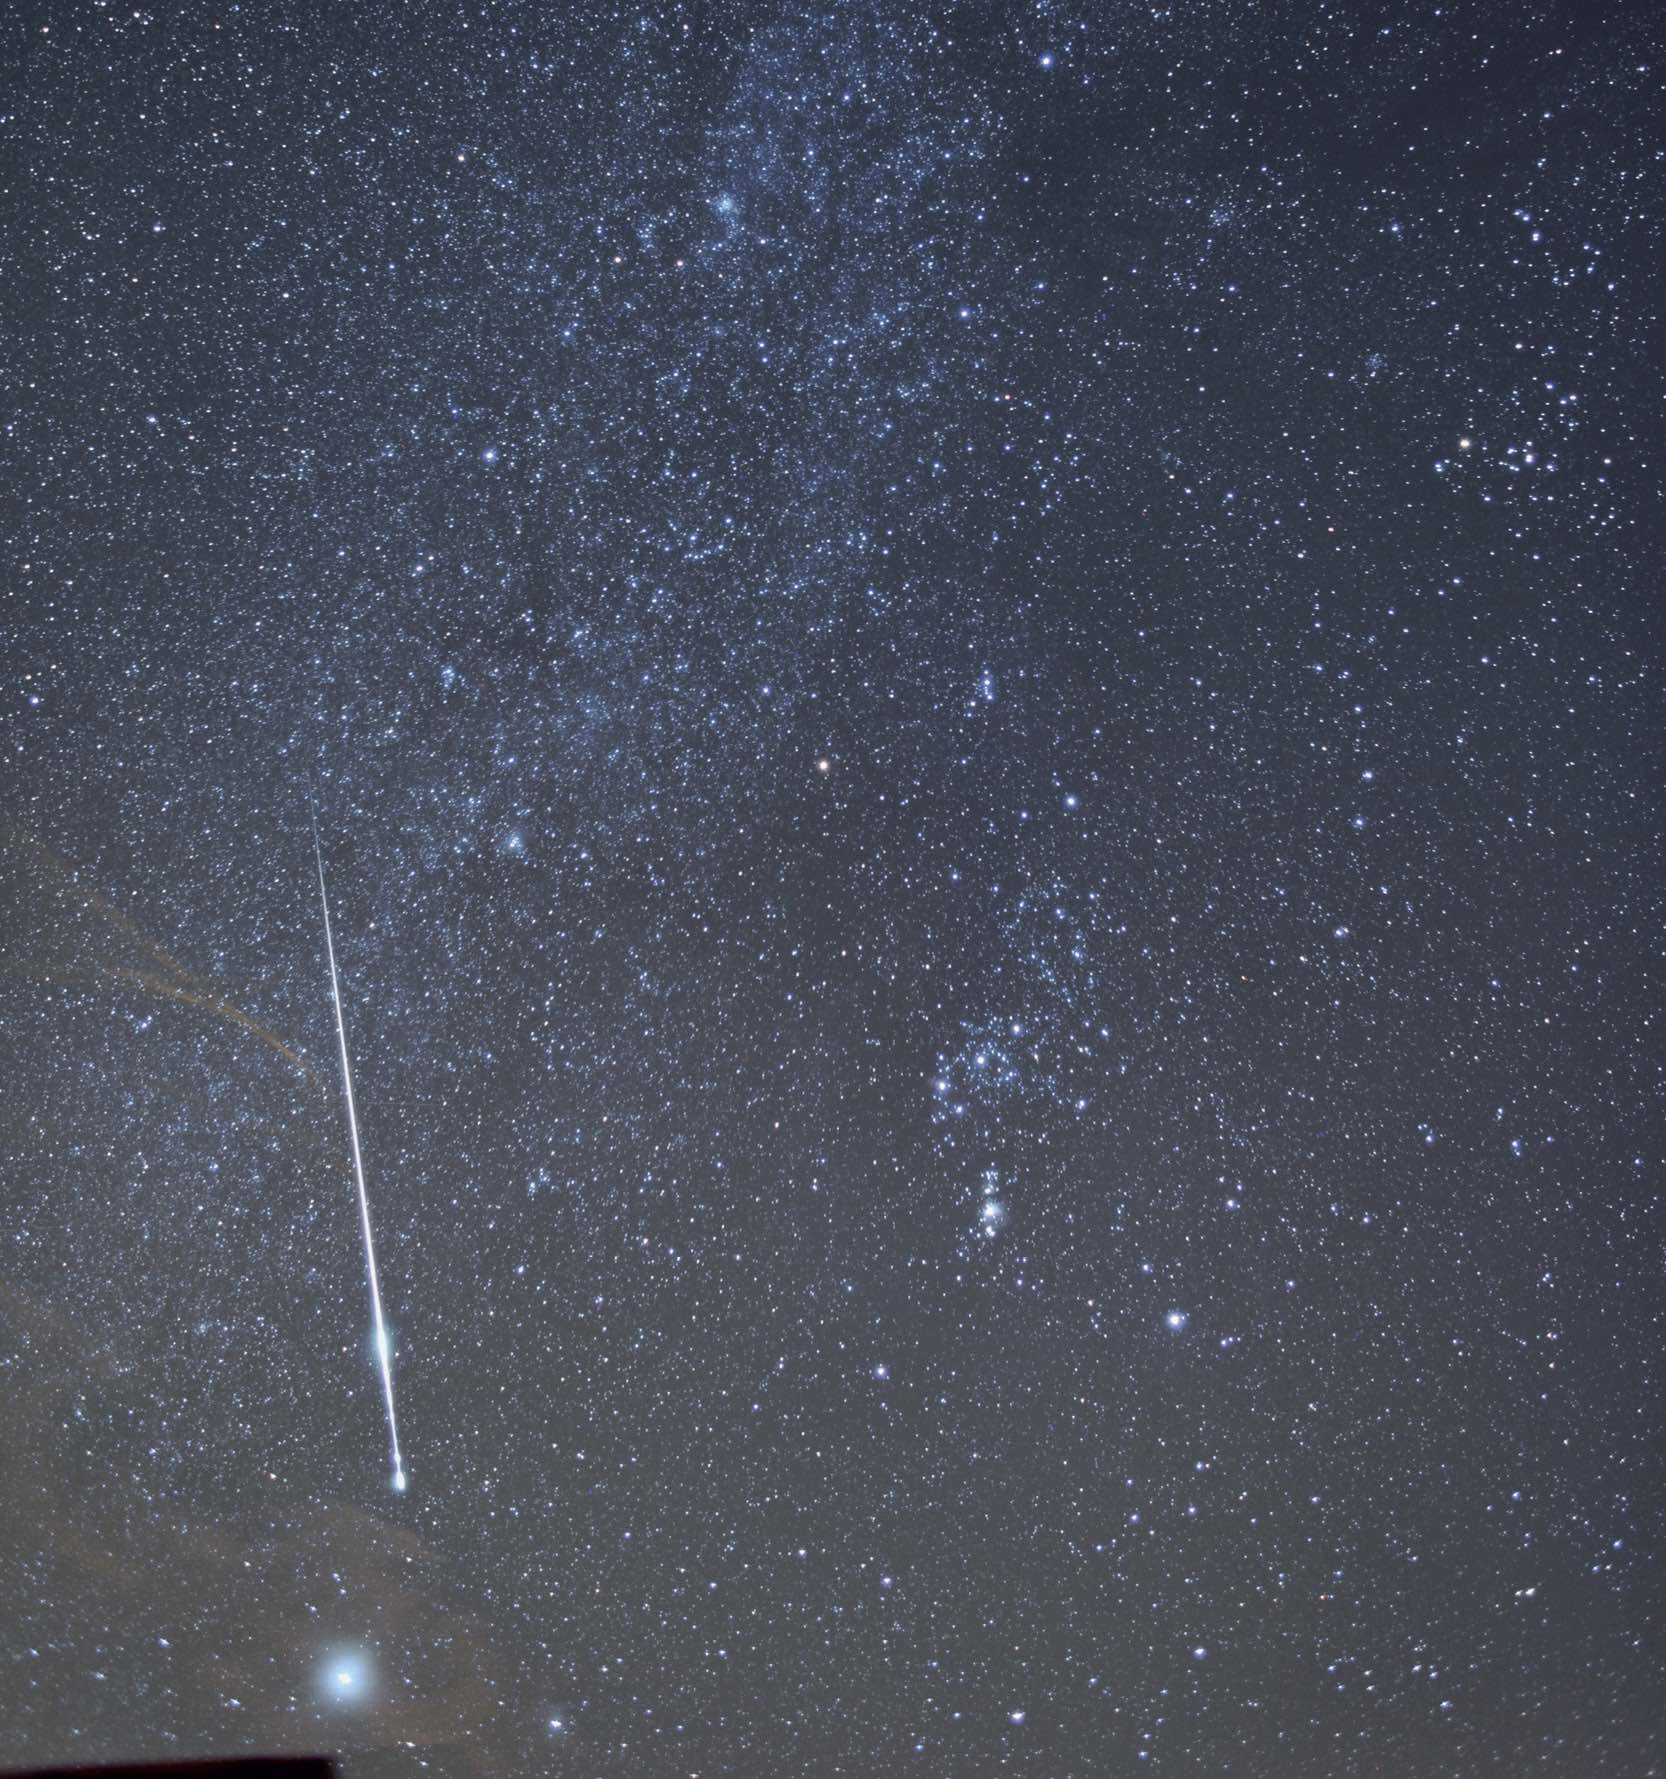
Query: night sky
983, 692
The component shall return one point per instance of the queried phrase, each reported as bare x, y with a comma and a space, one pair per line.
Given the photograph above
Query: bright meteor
384, 1357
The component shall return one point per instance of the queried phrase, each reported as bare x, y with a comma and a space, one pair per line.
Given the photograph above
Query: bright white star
345, 1678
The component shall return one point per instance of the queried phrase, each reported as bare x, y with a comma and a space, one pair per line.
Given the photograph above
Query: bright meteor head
399, 1482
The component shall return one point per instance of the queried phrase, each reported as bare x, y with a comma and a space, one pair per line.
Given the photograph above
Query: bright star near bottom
345, 1677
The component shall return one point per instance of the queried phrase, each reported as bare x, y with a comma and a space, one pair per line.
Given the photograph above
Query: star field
983, 687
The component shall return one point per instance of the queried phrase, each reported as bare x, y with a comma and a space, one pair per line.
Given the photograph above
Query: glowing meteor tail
384, 1356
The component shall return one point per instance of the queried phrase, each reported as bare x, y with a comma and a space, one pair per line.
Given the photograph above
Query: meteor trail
384, 1358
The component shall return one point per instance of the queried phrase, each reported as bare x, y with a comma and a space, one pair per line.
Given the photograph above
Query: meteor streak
384, 1357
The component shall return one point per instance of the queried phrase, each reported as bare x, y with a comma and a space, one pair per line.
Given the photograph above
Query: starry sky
983, 690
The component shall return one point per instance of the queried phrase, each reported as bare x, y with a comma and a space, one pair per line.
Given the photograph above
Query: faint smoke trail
384, 1358
172, 980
